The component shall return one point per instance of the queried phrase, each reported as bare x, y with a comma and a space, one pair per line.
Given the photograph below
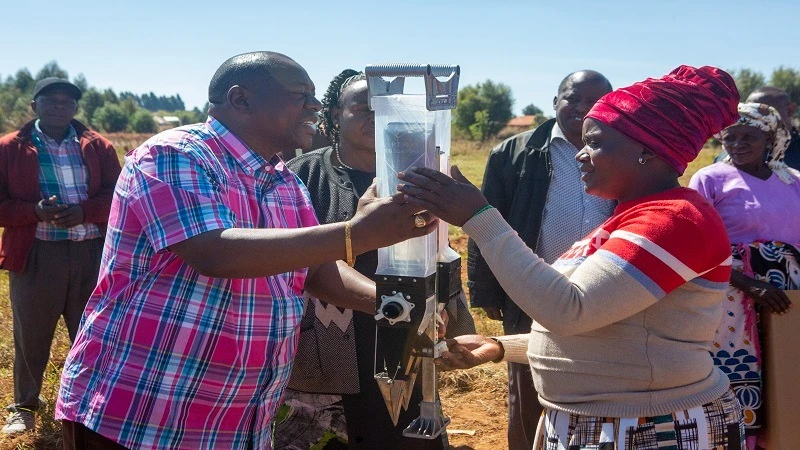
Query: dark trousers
77, 437
57, 281
524, 409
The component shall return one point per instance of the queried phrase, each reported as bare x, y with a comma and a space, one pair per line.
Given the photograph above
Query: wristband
481, 210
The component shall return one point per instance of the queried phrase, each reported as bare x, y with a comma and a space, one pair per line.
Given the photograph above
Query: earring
642, 160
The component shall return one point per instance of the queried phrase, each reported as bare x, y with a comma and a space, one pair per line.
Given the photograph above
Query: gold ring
419, 221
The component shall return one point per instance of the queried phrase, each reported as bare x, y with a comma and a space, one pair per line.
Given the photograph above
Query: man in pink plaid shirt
188, 339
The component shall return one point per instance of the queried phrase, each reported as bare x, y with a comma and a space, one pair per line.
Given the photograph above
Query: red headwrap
674, 115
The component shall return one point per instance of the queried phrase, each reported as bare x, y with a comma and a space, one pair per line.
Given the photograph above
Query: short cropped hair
588, 75
243, 69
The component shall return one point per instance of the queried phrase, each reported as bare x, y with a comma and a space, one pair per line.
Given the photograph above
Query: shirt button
346, 337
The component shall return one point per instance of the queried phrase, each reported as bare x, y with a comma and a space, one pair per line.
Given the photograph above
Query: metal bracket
440, 95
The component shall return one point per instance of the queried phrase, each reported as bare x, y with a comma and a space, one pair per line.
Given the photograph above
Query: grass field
475, 399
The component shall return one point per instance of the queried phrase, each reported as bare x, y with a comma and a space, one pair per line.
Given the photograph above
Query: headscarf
768, 120
672, 116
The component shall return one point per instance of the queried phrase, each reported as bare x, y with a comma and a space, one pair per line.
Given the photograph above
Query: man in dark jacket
57, 178
534, 181
780, 100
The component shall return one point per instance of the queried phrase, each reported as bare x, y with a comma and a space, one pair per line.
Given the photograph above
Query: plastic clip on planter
416, 278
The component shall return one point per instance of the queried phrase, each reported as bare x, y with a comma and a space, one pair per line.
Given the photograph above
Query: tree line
104, 110
485, 108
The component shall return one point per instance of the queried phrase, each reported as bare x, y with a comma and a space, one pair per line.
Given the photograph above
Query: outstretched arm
645, 256
249, 253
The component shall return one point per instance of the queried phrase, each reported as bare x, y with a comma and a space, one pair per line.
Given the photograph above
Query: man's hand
468, 351
380, 222
493, 312
441, 328
46, 209
68, 217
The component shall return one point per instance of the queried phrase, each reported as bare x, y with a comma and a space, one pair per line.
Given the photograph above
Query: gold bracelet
348, 245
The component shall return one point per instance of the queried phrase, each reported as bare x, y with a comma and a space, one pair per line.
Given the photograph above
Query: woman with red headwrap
758, 197
623, 321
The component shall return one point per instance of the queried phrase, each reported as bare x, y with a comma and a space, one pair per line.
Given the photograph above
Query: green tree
90, 102
188, 117
111, 118
493, 98
747, 81
539, 119
142, 122
129, 105
787, 79
481, 128
23, 81
15, 109
81, 82
531, 110
51, 69
110, 97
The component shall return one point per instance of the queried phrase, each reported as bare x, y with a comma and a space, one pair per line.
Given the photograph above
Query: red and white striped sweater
623, 320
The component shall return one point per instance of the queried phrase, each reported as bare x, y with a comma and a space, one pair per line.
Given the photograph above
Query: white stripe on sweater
664, 256
656, 250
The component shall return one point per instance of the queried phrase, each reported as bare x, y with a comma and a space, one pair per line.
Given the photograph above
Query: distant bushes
103, 110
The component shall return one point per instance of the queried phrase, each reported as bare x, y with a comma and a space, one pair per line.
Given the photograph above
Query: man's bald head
584, 76
577, 93
267, 100
778, 99
246, 69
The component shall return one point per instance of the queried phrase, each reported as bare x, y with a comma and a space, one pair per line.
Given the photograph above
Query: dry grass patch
477, 400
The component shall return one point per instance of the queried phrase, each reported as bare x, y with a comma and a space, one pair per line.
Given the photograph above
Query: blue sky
175, 47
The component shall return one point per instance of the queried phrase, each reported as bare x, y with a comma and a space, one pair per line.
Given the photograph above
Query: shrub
142, 122
111, 118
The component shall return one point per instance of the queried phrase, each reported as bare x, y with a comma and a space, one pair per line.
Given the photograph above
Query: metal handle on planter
411, 70
439, 94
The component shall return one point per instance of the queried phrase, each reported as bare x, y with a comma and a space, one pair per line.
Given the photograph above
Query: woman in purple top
758, 198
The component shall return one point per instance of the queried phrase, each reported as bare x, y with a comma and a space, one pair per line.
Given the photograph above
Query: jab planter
415, 278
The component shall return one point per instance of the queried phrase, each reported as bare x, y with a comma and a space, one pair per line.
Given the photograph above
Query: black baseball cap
46, 84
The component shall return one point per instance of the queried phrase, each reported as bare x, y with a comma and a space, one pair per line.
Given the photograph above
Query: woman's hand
770, 296
469, 351
762, 293
454, 200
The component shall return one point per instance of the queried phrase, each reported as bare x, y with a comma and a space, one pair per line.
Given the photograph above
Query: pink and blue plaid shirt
166, 357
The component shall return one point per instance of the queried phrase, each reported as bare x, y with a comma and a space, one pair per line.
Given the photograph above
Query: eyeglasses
52, 101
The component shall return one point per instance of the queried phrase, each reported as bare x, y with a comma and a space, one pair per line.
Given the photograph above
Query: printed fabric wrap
737, 345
